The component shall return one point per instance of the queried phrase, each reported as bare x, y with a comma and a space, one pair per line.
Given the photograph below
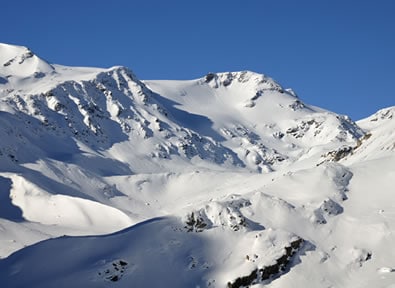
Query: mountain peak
225, 79
20, 61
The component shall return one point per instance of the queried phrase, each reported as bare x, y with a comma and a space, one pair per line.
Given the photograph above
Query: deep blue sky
336, 54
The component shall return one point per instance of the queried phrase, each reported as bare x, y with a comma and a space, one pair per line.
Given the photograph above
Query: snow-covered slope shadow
39, 205
7, 209
199, 123
149, 254
40, 142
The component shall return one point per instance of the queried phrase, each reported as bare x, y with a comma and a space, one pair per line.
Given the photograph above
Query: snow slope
228, 180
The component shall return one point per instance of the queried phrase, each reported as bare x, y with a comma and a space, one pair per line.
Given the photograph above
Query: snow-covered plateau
229, 180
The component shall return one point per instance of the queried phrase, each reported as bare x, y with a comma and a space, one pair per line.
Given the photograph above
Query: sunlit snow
229, 180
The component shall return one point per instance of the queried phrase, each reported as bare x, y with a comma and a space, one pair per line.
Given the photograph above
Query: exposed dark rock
297, 105
257, 95
330, 207
245, 281
228, 80
114, 278
114, 271
25, 56
344, 151
9, 62
265, 273
209, 77
195, 223
38, 75
301, 129
340, 153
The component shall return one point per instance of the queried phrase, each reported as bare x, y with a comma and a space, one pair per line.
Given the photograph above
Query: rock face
226, 214
114, 271
265, 273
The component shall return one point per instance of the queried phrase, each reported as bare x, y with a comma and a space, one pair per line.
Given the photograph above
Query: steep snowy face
235, 119
379, 140
239, 119
382, 118
249, 82
18, 61
254, 116
111, 111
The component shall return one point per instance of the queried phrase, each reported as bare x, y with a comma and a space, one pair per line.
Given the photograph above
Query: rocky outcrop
265, 273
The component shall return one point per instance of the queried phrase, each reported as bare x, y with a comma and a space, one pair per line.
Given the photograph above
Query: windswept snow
229, 180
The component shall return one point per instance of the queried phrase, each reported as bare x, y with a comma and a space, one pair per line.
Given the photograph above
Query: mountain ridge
244, 176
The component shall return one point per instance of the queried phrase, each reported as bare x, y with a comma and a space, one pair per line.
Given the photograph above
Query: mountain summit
18, 61
229, 180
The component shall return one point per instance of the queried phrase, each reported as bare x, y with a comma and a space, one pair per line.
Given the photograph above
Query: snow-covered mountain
229, 180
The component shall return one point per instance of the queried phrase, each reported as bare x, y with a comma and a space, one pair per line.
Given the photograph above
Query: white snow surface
107, 180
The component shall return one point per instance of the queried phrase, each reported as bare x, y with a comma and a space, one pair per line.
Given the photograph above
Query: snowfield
229, 180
